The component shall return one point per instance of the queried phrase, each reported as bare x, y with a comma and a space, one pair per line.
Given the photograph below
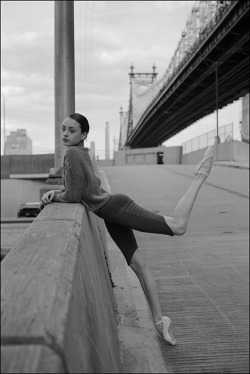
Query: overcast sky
109, 35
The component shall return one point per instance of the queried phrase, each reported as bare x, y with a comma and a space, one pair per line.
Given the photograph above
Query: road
202, 277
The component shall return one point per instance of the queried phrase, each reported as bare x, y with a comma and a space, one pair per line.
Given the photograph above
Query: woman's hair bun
83, 122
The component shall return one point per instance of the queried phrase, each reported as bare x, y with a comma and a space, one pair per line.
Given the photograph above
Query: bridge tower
123, 128
107, 146
139, 82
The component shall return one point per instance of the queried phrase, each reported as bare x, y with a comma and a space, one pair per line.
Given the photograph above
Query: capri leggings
121, 215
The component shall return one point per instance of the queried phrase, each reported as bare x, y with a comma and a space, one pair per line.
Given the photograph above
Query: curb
232, 166
17, 220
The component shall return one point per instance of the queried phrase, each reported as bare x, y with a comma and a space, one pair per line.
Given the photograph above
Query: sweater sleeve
73, 181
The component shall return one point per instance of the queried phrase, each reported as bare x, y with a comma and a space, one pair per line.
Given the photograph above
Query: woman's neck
81, 144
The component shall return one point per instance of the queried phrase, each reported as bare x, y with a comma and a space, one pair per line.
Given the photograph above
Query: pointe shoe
166, 321
202, 167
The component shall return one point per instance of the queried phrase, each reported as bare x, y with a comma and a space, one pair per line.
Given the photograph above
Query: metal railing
207, 139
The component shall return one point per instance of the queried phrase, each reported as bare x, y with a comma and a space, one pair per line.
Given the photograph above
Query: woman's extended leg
149, 288
178, 223
122, 210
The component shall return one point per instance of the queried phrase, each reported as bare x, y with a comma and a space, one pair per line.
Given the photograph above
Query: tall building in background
18, 143
107, 146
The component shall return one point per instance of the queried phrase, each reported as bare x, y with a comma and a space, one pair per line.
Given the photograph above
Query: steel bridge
209, 70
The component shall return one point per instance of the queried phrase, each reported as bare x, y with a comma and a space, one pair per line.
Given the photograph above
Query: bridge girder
191, 95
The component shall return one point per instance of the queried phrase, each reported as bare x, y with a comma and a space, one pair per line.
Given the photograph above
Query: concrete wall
172, 155
15, 192
26, 164
102, 163
193, 158
229, 151
142, 156
57, 300
240, 151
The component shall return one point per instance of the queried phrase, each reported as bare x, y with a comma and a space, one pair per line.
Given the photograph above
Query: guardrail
58, 312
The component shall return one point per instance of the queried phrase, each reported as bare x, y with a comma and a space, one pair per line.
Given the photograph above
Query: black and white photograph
125, 186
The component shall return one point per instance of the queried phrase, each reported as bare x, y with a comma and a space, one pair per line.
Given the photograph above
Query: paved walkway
202, 277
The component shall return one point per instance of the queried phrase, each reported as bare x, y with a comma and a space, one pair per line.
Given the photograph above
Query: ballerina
120, 213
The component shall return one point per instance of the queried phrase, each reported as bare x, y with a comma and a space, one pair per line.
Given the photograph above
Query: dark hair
83, 122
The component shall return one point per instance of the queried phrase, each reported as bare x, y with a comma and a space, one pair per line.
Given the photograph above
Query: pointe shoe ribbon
202, 167
166, 321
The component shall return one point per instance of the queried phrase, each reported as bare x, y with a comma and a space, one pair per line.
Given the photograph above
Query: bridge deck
202, 277
191, 94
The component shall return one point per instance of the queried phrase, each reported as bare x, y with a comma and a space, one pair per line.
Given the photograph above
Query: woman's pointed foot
205, 165
163, 328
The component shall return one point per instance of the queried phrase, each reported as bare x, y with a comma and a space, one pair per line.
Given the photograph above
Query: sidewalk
201, 277
139, 342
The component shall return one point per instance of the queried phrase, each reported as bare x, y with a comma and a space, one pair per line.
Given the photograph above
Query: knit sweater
81, 184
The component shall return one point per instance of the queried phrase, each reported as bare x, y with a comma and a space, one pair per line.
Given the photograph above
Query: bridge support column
64, 80
64, 71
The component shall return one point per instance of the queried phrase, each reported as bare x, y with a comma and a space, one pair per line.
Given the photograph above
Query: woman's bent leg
124, 239
148, 284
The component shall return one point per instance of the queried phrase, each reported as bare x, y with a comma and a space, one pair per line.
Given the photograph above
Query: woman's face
72, 133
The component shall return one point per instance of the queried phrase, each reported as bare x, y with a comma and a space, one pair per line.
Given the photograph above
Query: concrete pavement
202, 276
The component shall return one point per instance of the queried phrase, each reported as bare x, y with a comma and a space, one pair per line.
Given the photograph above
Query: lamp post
216, 99
217, 138
4, 128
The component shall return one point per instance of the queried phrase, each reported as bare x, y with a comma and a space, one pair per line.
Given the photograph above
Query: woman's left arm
74, 184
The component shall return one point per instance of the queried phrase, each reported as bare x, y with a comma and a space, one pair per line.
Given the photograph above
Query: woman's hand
47, 198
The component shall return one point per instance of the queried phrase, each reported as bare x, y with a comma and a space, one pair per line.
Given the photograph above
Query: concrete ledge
30, 359
56, 293
29, 176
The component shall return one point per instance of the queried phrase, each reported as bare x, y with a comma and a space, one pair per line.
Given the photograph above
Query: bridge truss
210, 68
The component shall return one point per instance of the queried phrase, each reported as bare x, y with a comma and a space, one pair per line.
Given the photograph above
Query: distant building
18, 143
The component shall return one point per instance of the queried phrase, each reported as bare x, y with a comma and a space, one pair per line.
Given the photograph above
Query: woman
120, 213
